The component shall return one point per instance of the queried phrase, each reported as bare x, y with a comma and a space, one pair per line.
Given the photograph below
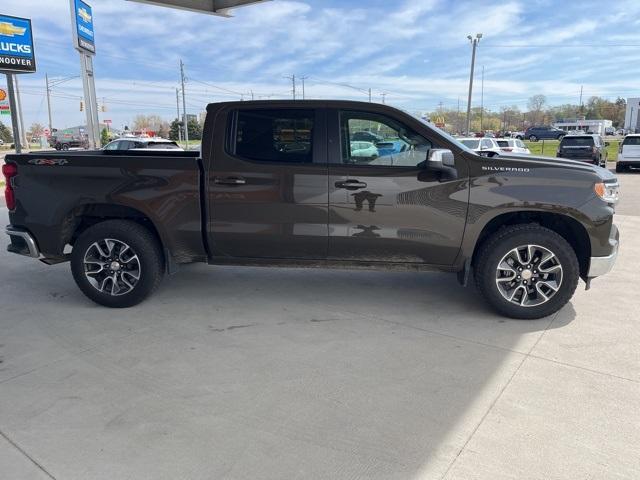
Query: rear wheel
117, 263
65, 146
533, 138
621, 168
526, 271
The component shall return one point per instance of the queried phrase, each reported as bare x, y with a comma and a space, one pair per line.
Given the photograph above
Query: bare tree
536, 104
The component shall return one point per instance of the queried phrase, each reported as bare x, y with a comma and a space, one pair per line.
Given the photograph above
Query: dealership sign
16, 45
83, 33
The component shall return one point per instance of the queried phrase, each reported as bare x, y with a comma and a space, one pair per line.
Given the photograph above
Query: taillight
9, 170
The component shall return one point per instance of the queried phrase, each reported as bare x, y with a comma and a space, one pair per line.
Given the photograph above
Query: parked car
66, 141
629, 153
609, 131
526, 229
544, 133
146, 143
517, 134
364, 150
621, 131
586, 148
1, 142
485, 146
391, 147
512, 145
365, 136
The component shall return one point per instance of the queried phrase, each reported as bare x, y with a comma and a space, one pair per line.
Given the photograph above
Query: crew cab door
390, 207
267, 183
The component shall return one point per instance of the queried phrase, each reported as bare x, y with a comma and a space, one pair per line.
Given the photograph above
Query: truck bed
162, 188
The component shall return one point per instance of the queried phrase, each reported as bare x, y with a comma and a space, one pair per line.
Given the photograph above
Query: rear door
390, 208
267, 183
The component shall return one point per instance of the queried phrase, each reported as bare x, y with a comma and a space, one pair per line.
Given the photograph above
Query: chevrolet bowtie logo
84, 15
10, 30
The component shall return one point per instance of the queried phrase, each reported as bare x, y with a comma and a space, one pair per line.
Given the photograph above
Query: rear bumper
22, 242
629, 162
599, 266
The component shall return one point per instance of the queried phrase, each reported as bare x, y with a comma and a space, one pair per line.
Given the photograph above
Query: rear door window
274, 135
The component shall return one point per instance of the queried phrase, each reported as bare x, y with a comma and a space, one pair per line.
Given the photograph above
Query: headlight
609, 192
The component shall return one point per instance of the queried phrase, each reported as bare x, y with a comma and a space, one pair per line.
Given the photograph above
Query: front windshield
470, 143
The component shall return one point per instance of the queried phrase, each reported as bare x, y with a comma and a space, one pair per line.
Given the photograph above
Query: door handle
229, 181
351, 185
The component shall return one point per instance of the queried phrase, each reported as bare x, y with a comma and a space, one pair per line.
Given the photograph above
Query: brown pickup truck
317, 183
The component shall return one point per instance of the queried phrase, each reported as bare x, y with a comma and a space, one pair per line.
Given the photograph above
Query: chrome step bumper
22, 243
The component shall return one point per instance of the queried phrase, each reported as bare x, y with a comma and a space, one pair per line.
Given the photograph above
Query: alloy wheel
112, 267
529, 275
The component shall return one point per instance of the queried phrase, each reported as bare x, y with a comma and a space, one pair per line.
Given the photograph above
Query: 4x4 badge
49, 161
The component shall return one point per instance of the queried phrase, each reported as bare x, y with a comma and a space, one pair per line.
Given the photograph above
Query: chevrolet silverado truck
277, 184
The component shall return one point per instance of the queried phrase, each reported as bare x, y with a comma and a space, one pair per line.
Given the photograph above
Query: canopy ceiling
212, 7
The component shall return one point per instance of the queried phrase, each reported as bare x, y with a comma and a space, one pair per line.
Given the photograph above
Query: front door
267, 184
384, 205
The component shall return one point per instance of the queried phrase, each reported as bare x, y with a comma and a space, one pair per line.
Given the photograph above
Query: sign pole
14, 113
82, 28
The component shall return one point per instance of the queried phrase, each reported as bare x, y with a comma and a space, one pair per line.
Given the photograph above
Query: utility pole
251, 91
474, 45
482, 98
369, 94
581, 106
46, 77
178, 113
458, 117
293, 84
184, 106
303, 79
383, 95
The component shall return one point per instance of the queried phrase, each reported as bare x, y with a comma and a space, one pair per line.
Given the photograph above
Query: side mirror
440, 159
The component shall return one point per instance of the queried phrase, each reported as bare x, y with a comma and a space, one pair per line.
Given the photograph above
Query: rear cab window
635, 141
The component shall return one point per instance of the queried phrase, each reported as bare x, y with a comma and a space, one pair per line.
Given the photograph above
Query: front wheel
526, 271
117, 263
533, 138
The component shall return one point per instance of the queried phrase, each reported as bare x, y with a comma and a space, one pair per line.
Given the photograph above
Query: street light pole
474, 45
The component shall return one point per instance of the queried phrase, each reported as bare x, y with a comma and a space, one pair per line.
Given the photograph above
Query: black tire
533, 138
65, 146
621, 169
494, 249
141, 242
58, 146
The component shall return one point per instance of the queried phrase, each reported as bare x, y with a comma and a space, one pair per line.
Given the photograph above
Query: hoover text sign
16, 45
83, 22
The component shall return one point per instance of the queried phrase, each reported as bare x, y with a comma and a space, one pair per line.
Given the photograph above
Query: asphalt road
247, 373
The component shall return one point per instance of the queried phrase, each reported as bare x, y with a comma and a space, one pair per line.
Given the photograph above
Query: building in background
631, 117
589, 126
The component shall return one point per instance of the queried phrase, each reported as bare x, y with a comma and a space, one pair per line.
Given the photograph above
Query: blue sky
415, 51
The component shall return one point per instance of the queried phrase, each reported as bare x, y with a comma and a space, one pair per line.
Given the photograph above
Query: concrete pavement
248, 373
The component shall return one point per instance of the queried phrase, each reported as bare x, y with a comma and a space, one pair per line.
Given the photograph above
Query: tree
36, 130
174, 130
195, 130
536, 104
5, 133
104, 137
148, 122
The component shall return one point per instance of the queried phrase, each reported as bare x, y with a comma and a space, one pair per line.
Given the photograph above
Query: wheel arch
565, 226
84, 216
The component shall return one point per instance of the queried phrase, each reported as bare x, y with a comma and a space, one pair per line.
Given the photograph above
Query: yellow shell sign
3, 95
